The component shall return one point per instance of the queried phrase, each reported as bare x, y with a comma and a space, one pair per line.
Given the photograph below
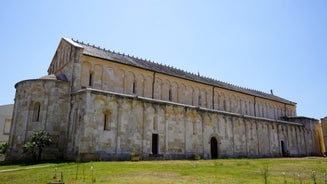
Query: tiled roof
102, 53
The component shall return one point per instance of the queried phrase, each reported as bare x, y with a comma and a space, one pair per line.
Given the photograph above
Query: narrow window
246, 108
36, 112
199, 100
90, 79
169, 95
106, 121
155, 146
134, 87
205, 99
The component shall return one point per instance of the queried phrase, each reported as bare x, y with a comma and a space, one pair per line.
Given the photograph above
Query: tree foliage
39, 140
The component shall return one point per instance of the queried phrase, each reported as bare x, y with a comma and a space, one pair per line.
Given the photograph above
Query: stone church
101, 105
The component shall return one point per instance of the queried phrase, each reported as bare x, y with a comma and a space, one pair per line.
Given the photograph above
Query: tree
39, 140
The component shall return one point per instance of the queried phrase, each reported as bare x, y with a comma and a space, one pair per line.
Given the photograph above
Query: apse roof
103, 53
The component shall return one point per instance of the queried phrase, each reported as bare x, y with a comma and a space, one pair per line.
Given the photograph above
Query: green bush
39, 140
3, 148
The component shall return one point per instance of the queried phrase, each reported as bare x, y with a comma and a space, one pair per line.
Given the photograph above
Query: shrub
3, 148
39, 140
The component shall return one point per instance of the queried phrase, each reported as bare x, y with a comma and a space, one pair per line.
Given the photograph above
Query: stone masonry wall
182, 130
324, 132
40, 104
111, 76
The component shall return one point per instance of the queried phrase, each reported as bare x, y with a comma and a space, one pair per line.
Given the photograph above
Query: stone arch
174, 90
265, 110
139, 79
86, 74
248, 106
120, 80
203, 98
196, 94
209, 98
129, 82
224, 102
36, 111
275, 112
37, 90
149, 117
233, 103
216, 99
99, 104
166, 90
99, 98
108, 77
214, 149
109, 114
147, 86
158, 88
97, 76
182, 93
189, 95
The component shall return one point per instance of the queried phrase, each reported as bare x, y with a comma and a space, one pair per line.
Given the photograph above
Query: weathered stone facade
101, 105
324, 132
41, 104
5, 122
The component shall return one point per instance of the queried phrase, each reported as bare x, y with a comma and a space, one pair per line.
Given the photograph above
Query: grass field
277, 170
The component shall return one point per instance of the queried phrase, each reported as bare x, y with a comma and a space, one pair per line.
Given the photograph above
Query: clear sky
263, 45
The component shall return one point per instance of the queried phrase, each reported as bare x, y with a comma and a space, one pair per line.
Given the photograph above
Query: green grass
186, 171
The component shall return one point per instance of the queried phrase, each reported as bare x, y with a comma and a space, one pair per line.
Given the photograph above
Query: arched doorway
214, 148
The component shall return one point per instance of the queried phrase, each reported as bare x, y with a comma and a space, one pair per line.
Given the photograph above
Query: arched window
90, 79
36, 112
134, 87
205, 99
169, 95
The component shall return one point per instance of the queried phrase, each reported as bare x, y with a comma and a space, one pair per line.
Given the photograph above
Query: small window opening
154, 123
205, 99
106, 121
199, 100
134, 87
246, 108
90, 79
36, 112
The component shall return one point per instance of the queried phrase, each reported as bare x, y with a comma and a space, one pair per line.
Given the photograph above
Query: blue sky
263, 45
